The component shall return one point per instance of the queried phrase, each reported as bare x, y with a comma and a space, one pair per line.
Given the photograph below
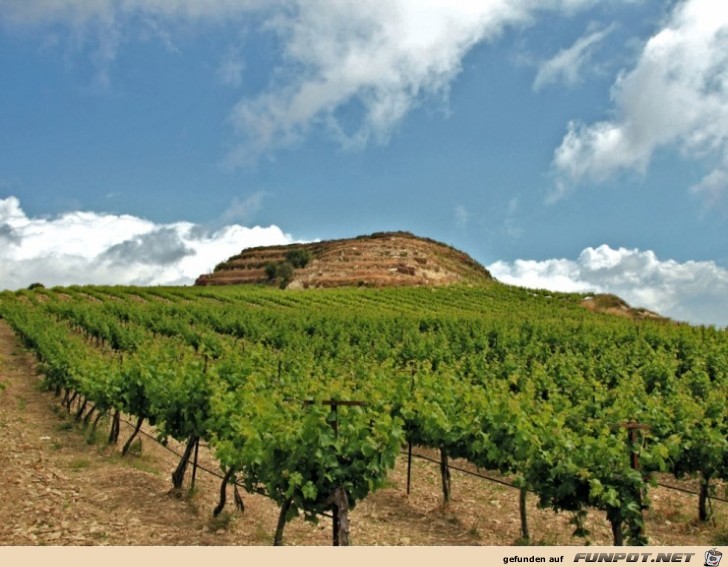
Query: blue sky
567, 144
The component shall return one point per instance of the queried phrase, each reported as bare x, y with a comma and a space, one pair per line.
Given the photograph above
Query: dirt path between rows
57, 488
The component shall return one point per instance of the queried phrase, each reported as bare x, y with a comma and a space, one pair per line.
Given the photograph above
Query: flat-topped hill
377, 260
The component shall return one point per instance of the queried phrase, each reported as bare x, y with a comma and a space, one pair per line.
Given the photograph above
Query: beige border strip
354, 556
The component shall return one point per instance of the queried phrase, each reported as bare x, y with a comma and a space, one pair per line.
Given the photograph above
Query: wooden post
335, 410
409, 440
704, 498
127, 445
524, 516
632, 428
335, 507
179, 474
194, 464
115, 425
409, 464
445, 474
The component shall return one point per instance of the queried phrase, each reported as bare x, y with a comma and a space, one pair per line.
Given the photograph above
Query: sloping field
309, 394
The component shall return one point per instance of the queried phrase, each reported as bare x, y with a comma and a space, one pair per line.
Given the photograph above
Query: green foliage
271, 271
282, 272
299, 257
526, 383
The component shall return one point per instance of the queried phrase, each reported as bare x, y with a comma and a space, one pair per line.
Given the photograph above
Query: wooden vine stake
127, 445
179, 474
409, 464
445, 474
194, 464
705, 509
115, 427
632, 428
524, 516
409, 440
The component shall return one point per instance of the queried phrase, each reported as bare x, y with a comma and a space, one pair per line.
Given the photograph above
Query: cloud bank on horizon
97, 248
696, 292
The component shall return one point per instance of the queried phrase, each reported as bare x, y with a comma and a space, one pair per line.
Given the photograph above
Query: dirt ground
58, 488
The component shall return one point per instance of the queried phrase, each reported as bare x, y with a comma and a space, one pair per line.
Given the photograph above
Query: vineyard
310, 397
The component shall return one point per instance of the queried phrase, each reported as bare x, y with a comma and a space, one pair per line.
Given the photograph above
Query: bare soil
60, 487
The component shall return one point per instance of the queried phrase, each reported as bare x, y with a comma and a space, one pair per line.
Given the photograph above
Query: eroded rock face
377, 260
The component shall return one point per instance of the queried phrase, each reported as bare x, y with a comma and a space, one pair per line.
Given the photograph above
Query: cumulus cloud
567, 66
352, 67
161, 247
692, 291
675, 96
362, 65
101, 248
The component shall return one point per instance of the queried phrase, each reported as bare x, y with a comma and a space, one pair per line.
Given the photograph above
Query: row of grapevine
309, 396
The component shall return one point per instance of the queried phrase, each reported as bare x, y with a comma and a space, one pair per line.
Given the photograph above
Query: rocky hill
376, 260
613, 305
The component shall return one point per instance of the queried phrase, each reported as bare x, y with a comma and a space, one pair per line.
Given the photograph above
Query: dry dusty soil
57, 487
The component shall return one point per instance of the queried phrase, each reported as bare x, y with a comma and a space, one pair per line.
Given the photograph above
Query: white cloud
713, 185
86, 247
567, 66
359, 66
675, 96
102, 27
689, 291
352, 67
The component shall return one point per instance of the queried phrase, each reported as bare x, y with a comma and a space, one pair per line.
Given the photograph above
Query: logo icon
713, 557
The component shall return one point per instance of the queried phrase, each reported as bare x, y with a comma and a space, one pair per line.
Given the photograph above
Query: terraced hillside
378, 260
